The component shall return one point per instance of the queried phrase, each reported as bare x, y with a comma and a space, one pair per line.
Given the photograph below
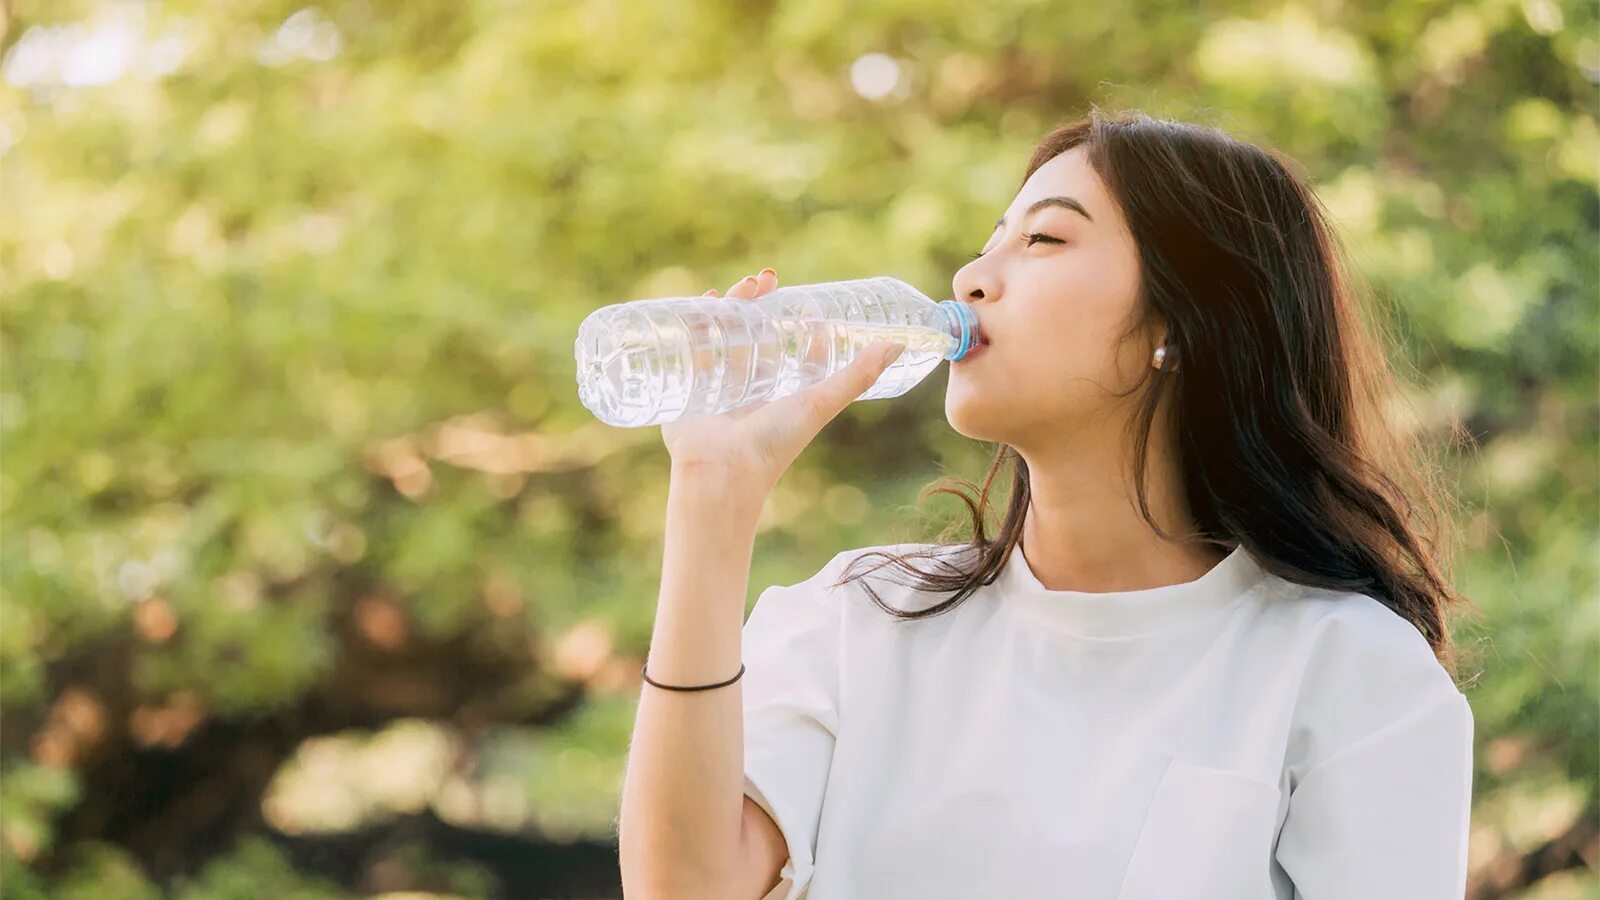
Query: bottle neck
963, 326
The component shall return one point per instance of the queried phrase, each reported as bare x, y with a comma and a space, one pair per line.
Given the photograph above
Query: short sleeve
1387, 816
791, 688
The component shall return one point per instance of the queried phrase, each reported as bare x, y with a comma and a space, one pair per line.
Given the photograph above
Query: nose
967, 284
967, 289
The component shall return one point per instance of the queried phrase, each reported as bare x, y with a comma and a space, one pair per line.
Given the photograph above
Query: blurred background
318, 581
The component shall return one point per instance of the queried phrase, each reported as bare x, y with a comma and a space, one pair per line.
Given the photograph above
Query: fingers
751, 286
831, 395
766, 281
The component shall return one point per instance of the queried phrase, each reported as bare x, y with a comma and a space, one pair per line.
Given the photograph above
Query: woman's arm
680, 829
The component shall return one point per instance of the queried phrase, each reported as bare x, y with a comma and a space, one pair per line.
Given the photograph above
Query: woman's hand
755, 444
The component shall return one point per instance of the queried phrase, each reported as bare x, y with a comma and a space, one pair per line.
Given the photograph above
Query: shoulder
1356, 638
844, 574
851, 578
810, 615
1363, 667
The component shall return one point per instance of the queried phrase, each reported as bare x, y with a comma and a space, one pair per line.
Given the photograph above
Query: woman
1206, 656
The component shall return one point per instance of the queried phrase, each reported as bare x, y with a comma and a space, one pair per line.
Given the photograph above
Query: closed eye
1031, 238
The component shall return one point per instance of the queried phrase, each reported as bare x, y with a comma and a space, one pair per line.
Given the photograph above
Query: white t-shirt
1236, 737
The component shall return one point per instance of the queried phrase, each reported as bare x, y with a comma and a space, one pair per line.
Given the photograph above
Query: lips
980, 341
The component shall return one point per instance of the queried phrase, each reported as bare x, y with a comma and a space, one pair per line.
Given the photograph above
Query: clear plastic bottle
646, 362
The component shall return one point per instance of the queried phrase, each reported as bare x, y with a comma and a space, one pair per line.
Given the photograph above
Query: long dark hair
1281, 395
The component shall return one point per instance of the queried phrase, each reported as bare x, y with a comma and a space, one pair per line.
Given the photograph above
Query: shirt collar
1125, 614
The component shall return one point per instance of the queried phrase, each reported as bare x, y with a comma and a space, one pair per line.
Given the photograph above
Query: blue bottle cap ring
962, 318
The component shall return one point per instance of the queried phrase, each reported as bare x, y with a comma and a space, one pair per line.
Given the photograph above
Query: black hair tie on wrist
700, 687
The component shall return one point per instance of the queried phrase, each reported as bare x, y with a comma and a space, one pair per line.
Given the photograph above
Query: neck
1083, 530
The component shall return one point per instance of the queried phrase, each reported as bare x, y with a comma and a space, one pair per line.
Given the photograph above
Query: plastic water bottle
645, 362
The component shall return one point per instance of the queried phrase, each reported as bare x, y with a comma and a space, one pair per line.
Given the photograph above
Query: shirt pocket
1208, 834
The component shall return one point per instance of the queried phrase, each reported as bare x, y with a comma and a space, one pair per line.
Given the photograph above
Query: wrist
729, 477
723, 492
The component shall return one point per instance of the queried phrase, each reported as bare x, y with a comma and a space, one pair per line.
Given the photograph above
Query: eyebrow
1065, 202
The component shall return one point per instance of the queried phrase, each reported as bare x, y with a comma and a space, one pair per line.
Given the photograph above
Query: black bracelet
703, 687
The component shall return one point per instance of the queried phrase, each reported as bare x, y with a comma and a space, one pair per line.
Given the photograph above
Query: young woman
1206, 656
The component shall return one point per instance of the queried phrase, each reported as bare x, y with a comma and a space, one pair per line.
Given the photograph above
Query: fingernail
748, 279
768, 271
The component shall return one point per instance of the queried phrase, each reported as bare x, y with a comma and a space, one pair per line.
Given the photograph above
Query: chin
971, 417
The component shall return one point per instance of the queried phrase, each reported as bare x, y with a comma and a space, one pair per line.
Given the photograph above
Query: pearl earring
1160, 357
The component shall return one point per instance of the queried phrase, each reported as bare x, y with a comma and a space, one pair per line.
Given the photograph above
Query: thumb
831, 395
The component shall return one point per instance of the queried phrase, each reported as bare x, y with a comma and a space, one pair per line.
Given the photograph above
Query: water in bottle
645, 362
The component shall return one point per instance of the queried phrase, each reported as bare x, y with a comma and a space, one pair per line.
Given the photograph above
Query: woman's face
1054, 290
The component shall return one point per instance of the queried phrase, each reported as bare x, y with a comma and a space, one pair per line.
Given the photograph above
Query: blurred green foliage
289, 294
